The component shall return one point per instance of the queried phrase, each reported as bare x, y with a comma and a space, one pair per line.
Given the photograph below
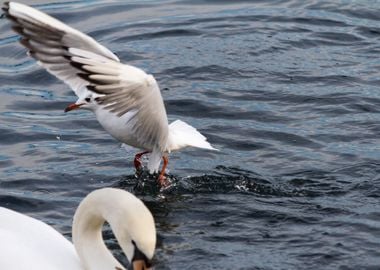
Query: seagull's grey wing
125, 88
84, 65
49, 41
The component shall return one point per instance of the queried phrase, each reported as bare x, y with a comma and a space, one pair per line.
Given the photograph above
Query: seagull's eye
87, 99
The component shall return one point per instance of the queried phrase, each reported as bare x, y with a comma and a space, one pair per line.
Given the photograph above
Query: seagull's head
88, 102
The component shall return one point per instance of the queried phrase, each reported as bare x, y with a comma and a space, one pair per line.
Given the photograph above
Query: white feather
29, 244
131, 108
30, 14
154, 161
182, 135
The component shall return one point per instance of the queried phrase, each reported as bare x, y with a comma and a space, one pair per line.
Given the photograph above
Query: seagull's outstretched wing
85, 65
124, 88
50, 40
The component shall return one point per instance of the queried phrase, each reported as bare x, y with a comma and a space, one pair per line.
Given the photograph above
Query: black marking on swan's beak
139, 260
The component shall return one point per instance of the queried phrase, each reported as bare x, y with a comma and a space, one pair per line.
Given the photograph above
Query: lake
288, 91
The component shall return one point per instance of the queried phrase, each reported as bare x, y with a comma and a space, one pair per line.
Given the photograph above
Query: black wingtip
10, 17
18, 29
84, 76
5, 8
67, 57
24, 41
77, 65
91, 88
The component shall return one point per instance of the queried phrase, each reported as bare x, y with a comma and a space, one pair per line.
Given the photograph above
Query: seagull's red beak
73, 107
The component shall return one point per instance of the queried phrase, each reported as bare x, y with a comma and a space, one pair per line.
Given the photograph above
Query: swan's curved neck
87, 233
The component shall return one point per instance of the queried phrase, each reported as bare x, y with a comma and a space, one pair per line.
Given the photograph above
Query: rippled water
287, 90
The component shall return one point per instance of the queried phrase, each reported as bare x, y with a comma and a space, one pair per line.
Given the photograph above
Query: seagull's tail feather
182, 135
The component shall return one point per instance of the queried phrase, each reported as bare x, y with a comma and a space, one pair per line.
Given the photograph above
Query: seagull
125, 100
27, 243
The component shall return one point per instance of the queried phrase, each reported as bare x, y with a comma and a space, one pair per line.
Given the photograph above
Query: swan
29, 244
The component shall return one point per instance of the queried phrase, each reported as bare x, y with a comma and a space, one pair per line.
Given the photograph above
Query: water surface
287, 90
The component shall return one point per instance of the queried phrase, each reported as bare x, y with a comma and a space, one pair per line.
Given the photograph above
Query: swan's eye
97, 99
87, 99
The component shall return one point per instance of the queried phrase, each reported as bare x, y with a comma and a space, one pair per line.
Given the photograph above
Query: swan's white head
131, 222
136, 234
89, 101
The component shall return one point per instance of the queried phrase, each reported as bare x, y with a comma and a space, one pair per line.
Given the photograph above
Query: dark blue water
287, 90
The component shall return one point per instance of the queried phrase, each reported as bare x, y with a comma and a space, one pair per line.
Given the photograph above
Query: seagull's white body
126, 101
117, 127
29, 244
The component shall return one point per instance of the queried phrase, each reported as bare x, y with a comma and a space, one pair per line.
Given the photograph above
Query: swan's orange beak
73, 107
140, 265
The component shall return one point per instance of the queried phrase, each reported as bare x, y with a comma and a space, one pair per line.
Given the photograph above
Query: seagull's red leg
161, 177
137, 160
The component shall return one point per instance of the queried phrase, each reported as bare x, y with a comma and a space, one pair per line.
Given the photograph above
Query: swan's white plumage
27, 243
120, 209
90, 68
